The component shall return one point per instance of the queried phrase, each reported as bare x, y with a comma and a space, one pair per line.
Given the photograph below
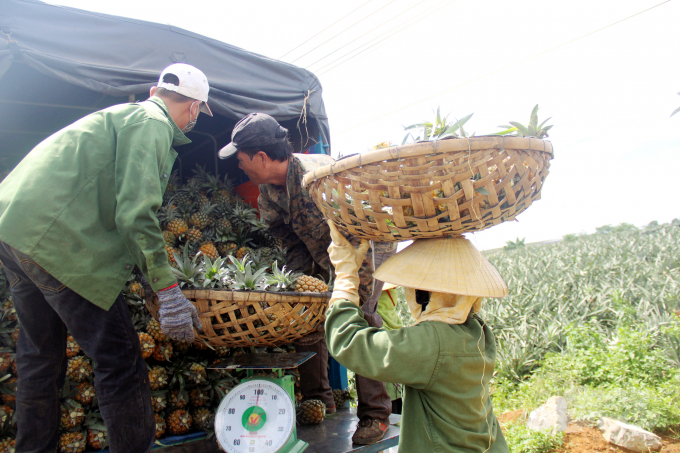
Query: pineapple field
213, 239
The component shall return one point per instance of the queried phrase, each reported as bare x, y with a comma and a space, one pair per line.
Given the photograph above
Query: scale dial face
255, 416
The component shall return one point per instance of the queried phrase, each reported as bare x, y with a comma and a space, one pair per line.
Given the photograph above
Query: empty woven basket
253, 318
432, 189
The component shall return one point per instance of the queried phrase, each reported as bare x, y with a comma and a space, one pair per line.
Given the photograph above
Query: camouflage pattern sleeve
366, 270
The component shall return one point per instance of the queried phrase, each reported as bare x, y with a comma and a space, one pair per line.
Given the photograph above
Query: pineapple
193, 235
242, 252
200, 344
72, 442
15, 334
209, 250
221, 351
7, 445
222, 224
135, 287
310, 284
160, 426
179, 421
311, 412
147, 344
177, 226
159, 401
203, 419
85, 393
243, 216
227, 248
158, 377
163, 352
173, 219
197, 373
171, 255
5, 414
9, 311
72, 348
79, 368
8, 394
220, 192
97, 438
72, 415
199, 397
169, 238
181, 346
203, 216
341, 397
177, 398
5, 361
153, 328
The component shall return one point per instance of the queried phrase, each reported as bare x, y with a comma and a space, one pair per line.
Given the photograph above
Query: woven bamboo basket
253, 318
432, 189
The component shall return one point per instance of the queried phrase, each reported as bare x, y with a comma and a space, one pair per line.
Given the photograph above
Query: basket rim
265, 294
423, 148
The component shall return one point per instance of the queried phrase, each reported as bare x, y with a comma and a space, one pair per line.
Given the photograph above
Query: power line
415, 20
368, 32
501, 69
334, 36
351, 12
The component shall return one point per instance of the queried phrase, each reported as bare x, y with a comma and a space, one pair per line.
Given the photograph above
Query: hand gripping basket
253, 318
432, 189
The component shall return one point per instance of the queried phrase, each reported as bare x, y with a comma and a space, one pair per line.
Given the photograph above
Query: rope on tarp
303, 119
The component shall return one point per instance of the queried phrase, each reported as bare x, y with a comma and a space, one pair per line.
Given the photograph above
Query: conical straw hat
450, 265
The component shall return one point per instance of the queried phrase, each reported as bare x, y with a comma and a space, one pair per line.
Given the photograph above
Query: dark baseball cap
255, 129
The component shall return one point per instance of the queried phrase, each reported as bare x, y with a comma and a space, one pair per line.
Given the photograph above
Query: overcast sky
609, 93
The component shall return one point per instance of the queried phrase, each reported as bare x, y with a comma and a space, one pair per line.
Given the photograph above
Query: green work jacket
445, 370
82, 204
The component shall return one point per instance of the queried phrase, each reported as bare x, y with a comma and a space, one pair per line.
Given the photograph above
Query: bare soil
584, 439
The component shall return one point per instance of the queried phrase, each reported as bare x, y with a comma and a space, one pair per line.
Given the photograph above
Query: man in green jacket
76, 215
445, 360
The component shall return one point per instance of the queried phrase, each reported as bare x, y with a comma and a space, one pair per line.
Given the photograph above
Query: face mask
190, 125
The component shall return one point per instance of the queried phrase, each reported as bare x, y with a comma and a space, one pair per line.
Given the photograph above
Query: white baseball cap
192, 83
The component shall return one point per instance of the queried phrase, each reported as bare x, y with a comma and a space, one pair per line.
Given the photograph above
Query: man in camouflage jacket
265, 155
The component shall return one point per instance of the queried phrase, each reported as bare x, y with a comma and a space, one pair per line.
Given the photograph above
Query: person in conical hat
445, 360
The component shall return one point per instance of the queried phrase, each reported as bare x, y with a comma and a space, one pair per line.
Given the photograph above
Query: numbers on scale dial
255, 416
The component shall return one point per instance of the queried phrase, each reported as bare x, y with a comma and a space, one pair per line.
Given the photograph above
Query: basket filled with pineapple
233, 271
445, 183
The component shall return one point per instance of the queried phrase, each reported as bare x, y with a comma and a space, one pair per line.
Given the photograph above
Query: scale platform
263, 361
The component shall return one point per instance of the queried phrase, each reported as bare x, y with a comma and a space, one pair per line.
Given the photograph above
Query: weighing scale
258, 415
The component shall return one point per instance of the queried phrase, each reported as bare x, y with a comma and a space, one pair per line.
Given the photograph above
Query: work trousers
47, 309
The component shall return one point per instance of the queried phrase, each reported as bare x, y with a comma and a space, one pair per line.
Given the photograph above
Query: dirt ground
584, 439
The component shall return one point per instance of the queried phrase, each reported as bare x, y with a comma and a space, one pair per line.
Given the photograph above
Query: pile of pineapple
184, 392
214, 239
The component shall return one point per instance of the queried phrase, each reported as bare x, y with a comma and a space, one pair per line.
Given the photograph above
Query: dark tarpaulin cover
118, 56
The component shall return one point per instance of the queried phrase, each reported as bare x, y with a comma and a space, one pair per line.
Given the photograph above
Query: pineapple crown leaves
215, 272
189, 271
533, 129
200, 174
280, 279
676, 110
238, 265
244, 214
249, 280
438, 129
240, 237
